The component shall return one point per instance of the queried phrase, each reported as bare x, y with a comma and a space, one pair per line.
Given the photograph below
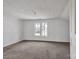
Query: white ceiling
37, 9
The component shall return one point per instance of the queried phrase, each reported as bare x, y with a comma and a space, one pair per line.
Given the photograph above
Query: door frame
72, 14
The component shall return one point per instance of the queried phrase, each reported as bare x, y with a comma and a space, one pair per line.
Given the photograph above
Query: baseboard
45, 41
10, 45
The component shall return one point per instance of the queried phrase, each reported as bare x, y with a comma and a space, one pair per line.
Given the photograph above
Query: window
37, 29
44, 29
41, 29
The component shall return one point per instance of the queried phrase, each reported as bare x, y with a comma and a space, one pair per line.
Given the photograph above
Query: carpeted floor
37, 50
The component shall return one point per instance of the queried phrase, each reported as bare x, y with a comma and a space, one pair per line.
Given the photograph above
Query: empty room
36, 29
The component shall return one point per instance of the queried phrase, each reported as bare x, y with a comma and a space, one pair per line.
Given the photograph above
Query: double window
41, 29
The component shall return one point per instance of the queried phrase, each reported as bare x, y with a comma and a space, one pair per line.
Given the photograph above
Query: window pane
44, 29
37, 29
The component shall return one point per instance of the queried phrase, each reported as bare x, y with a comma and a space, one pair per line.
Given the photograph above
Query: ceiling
37, 9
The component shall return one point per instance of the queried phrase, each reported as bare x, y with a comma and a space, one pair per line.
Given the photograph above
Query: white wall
58, 30
12, 29
16, 30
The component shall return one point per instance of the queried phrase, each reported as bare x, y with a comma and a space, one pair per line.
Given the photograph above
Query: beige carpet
37, 50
